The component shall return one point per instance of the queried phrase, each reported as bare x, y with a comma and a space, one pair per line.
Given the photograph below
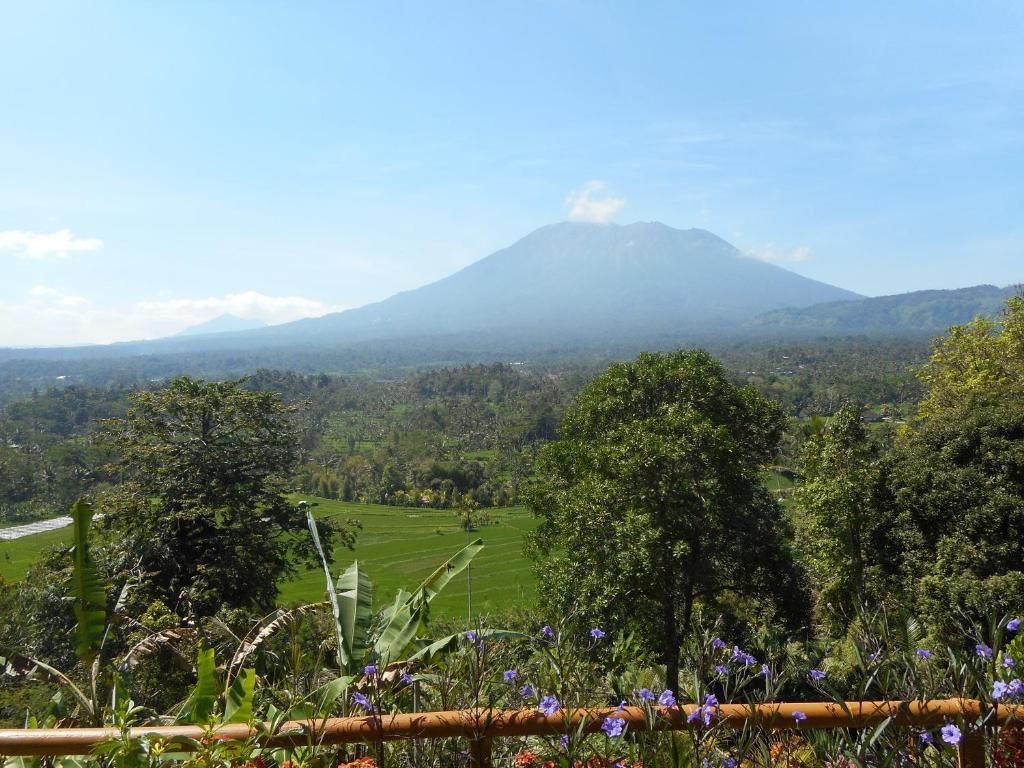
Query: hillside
924, 312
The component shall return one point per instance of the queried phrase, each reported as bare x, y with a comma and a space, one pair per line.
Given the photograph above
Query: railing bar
484, 723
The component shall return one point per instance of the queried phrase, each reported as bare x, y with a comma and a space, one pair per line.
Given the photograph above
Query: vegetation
670, 563
652, 502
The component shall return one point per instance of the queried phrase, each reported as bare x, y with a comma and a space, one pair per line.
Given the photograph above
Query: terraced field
398, 546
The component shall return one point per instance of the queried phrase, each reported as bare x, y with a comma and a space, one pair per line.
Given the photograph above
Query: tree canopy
202, 509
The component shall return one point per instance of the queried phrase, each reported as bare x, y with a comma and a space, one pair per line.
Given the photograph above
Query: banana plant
385, 637
237, 697
92, 627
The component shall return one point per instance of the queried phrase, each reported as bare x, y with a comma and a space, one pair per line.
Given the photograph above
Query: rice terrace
530, 384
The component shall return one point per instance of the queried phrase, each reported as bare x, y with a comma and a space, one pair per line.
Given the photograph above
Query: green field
398, 547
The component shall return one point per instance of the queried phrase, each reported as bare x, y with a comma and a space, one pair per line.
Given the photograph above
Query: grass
16, 556
398, 546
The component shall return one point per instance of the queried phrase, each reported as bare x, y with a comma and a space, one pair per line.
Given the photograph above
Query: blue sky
161, 163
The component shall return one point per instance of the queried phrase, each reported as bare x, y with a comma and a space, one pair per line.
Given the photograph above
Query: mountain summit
574, 281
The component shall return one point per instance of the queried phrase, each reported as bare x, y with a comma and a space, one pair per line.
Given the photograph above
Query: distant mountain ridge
916, 312
563, 287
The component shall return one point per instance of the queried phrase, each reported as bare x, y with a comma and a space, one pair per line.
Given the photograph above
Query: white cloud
47, 316
776, 255
583, 207
33, 245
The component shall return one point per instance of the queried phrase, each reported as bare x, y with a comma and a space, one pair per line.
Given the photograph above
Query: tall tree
201, 507
842, 528
651, 500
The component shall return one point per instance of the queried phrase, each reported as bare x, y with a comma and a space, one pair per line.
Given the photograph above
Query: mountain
222, 324
918, 312
574, 282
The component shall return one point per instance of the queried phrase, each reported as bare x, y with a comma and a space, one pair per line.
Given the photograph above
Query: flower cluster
706, 711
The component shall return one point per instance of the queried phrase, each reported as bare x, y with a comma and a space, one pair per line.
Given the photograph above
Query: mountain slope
916, 312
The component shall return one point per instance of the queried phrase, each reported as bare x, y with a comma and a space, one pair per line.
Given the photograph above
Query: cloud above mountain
584, 204
38, 246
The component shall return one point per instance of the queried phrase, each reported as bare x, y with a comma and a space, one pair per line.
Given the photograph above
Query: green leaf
198, 708
238, 703
447, 571
355, 593
403, 618
343, 658
451, 643
87, 591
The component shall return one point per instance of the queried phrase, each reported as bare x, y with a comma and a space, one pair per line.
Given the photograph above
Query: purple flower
370, 670
564, 742
597, 633
742, 656
548, 705
765, 672
718, 644
526, 691
406, 678
1015, 688
612, 726
951, 734
817, 675
721, 670
999, 689
1008, 661
799, 716
667, 698
1013, 625
471, 636
509, 675
646, 695
360, 700
694, 716
926, 737
875, 656
547, 631
924, 653
983, 650
729, 762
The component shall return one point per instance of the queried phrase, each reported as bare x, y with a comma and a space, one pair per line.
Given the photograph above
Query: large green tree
651, 501
958, 493
957, 475
201, 506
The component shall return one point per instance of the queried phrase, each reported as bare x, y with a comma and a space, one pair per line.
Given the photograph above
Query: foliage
983, 359
651, 500
202, 507
843, 532
958, 489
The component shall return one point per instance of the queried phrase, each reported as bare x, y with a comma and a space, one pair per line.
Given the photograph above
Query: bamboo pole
485, 724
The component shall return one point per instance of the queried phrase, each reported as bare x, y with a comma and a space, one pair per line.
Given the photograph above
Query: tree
651, 500
957, 475
841, 526
201, 508
982, 359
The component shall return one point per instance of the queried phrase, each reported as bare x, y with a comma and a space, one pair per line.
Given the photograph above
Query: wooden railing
482, 726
